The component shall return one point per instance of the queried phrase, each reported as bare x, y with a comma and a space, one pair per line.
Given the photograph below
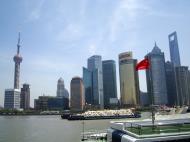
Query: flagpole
151, 92
144, 64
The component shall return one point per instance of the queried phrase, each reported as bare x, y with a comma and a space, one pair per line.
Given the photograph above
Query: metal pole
83, 130
151, 91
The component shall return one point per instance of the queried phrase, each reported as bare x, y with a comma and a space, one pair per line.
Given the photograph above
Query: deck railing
157, 129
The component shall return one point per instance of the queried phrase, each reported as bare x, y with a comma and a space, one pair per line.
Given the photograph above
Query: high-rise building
109, 82
144, 99
12, 99
156, 77
77, 94
60, 87
171, 83
129, 82
61, 90
95, 75
12, 96
182, 84
25, 97
174, 50
189, 84
87, 80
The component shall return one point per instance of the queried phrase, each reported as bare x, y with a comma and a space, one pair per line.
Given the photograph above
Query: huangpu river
45, 128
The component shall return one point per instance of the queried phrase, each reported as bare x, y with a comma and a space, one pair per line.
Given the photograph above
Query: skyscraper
12, 96
174, 50
189, 84
182, 84
77, 94
96, 78
144, 99
17, 59
156, 77
87, 80
129, 82
171, 83
109, 81
25, 97
61, 90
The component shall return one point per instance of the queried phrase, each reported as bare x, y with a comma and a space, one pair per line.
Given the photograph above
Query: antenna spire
18, 45
155, 43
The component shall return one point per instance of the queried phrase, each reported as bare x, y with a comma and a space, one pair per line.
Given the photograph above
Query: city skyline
48, 57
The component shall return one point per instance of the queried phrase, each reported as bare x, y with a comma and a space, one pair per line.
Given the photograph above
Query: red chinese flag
142, 65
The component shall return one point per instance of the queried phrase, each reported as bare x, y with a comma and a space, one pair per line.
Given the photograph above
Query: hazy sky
57, 36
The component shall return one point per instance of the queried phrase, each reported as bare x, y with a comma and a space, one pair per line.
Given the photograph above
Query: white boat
168, 130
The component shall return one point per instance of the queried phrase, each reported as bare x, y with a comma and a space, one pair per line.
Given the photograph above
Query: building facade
129, 82
182, 84
156, 77
61, 90
174, 50
189, 83
144, 99
87, 80
25, 97
77, 94
12, 99
171, 83
109, 82
94, 74
51, 103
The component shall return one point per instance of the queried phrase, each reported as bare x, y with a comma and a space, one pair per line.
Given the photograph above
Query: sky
58, 36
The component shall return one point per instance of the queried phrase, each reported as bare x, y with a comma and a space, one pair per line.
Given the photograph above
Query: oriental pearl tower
17, 59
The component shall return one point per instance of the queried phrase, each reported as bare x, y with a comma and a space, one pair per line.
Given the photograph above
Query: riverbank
27, 112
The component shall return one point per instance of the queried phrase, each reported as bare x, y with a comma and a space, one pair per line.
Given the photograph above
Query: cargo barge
82, 117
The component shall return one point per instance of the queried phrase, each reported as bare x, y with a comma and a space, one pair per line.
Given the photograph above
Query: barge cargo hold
81, 117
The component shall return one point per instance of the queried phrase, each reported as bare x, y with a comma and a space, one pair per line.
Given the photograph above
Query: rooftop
165, 129
162, 127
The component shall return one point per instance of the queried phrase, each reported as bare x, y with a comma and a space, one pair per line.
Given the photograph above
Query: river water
45, 128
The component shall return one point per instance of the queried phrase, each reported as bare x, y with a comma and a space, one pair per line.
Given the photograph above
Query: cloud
71, 33
124, 12
35, 13
92, 48
128, 13
55, 65
83, 6
162, 13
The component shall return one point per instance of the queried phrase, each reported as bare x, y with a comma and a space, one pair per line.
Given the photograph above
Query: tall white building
12, 99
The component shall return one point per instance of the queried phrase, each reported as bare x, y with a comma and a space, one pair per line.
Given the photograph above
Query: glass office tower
171, 83
174, 50
182, 84
156, 77
93, 81
87, 80
109, 82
